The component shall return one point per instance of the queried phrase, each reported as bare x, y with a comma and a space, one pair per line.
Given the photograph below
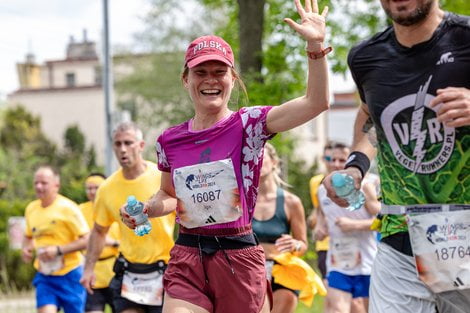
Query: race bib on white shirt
441, 246
144, 289
207, 194
344, 252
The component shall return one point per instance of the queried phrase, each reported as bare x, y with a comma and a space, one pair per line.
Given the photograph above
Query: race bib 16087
207, 194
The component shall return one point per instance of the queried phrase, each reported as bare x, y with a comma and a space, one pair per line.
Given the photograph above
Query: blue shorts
357, 285
62, 291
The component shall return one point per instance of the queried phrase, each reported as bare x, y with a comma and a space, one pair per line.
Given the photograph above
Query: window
70, 79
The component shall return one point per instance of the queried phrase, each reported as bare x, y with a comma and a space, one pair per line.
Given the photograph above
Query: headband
94, 179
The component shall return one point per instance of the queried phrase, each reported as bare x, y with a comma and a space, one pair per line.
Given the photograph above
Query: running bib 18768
207, 194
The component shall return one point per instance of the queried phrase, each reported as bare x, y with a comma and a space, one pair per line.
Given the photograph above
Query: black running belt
211, 243
400, 242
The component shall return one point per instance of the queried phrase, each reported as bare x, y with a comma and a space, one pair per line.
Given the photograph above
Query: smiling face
408, 12
128, 148
209, 85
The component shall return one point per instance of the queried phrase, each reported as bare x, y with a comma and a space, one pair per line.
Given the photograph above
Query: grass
317, 306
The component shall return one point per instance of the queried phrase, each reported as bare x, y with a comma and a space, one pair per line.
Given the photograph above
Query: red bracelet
320, 54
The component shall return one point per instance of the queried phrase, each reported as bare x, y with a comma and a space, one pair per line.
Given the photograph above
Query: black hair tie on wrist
359, 160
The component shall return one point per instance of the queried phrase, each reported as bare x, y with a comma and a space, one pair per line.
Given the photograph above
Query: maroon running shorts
243, 290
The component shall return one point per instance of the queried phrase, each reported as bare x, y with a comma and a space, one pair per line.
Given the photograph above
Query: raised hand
312, 25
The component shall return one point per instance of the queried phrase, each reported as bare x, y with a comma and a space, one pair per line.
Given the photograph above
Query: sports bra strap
280, 204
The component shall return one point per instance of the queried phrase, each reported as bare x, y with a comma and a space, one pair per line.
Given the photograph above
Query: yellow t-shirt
315, 181
104, 267
60, 223
113, 193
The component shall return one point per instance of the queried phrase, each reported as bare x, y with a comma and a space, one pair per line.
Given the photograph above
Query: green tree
75, 163
22, 147
74, 140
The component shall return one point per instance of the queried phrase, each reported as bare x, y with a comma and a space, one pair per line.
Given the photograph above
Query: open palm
312, 25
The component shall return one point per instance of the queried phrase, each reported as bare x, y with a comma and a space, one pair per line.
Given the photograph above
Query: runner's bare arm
164, 201
95, 245
321, 228
296, 243
27, 249
312, 219
76, 245
312, 28
347, 224
372, 204
361, 140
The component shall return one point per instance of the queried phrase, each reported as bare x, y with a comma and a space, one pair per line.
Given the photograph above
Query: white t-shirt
350, 253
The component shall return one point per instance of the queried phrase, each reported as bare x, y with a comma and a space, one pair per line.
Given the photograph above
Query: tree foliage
23, 147
74, 141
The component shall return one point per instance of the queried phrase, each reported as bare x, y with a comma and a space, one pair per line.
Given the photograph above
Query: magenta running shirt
232, 145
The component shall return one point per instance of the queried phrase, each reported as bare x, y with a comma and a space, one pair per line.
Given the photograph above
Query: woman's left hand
286, 243
312, 25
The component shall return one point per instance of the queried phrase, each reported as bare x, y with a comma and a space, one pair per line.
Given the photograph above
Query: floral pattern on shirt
162, 160
254, 139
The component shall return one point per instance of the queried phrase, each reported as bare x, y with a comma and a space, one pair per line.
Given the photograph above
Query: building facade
65, 93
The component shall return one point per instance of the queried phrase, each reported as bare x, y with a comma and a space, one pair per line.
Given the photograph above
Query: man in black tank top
414, 82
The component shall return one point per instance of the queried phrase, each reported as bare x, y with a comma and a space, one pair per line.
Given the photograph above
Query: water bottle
344, 188
135, 209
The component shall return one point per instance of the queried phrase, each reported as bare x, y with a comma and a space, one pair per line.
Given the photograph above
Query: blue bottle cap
131, 200
338, 180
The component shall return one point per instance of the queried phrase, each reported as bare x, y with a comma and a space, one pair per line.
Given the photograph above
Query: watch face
298, 246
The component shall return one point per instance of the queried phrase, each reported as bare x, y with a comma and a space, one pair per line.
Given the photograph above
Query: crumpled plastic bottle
135, 209
344, 188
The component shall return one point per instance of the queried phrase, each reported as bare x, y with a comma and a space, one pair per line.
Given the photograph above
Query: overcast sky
44, 28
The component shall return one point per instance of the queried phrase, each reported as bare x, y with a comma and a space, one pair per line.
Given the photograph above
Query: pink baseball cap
208, 48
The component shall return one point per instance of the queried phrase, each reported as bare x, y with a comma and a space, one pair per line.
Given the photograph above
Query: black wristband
359, 160
59, 251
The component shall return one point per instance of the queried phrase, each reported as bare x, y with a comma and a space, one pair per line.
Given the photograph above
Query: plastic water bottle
344, 188
135, 209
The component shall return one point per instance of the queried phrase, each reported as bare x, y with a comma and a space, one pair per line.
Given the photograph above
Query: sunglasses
329, 158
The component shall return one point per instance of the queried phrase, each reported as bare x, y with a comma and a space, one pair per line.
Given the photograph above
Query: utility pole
108, 91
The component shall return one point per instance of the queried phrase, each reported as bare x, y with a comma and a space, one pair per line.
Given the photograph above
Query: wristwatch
298, 246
